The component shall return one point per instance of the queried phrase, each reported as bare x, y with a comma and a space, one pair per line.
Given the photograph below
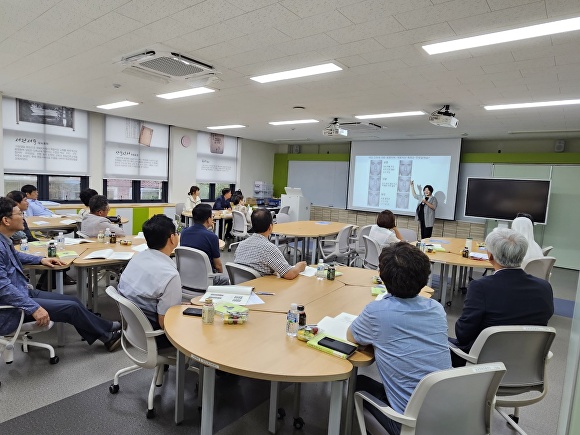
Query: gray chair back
239, 227
179, 208
239, 273
408, 235
541, 267
194, 269
285, 209
372, 252
547, 250
282, 218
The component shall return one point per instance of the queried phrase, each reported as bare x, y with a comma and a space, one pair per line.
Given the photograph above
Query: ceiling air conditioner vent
165, 66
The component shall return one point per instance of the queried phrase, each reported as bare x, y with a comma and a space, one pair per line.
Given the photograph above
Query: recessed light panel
295, 73
186, 93
532, 105
391, 115
297, 121
225, 127
117, 105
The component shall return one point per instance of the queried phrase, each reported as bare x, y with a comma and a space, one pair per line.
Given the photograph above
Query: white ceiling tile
452, 10
543, 62
371, 68
162, 30
81, 39
150, 11
269, 16
251, 5
561, 60
557, 8
504, 19
352, 61
307, 8
112, 25
370, 10
415, 36
314, 24
366, 30
458, 64
281, 64
210, 35
496, 5
207, 13
352, 48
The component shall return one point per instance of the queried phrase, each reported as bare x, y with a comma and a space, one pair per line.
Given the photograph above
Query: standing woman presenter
425, 212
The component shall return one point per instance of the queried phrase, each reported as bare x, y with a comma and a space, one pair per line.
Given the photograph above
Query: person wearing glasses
96, 220
200, 236
151, 279
22, 203
41, 306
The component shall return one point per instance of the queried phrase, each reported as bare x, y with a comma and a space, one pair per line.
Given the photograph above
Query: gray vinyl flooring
72, 396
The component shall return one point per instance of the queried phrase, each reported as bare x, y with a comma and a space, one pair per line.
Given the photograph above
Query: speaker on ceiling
559, 145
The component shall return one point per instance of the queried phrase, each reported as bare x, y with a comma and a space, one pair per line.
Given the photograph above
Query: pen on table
266, 293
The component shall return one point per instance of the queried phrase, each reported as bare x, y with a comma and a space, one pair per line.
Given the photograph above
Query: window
211, 191
204, 190
125, 190
58, 188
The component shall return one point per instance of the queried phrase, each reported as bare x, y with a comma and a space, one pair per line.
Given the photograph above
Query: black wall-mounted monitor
504, 198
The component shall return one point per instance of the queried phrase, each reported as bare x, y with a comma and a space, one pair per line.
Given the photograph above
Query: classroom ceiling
67, 52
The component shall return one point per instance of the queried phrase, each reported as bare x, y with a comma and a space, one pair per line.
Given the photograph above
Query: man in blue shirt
223, 203
408, 332
41, 306
35, 207
200, 236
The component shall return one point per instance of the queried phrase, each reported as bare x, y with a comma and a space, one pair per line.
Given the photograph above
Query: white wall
96, 153
255, 163
182, 164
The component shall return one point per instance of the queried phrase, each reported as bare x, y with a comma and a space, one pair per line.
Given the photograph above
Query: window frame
136, 193
213, 195
43, 186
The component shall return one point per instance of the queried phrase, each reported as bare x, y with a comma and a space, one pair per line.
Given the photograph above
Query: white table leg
314, 250
273, 412
350, 401
179, 386
335, 407
207, 400
60, 290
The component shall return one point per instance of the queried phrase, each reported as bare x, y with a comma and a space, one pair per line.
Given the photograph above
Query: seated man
35, 207
96, 220
223, 203
259, 253
408, 332
22, 203
508, 297
40, 305
86, 196
200, 236
151, 279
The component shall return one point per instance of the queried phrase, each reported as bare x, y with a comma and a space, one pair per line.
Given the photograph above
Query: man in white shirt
151, 279
96, 220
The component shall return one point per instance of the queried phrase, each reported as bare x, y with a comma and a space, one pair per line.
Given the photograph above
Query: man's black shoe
114, 342
68, 280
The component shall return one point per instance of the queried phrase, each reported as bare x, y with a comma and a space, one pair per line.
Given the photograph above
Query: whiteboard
323, 183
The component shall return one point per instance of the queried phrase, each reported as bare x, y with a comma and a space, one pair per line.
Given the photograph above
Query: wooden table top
42, 252
452, 255
91, 247
308, 228
258, 349
54, 223
216, 214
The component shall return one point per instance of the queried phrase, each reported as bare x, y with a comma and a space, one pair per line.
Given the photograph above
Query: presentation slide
381, 180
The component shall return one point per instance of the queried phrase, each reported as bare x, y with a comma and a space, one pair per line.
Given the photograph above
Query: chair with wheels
282, 218
337, 248
22, 335
547, 250
525, 351
138, 342
239, 228
358, 244
541, 267
454, 401
372, 252
178, 210
194, 270
408, 235
239, 273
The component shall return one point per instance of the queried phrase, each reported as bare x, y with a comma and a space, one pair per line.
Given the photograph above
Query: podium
299, 205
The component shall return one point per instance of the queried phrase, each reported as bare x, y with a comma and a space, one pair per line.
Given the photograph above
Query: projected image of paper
308, 271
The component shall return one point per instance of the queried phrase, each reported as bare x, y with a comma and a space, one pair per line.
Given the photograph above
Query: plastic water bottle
292, 321
24, 245
107, 236
60, 241
320, 270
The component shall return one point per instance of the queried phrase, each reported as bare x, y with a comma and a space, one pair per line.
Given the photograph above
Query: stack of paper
336, 326
236, 294
109, 254
478, 256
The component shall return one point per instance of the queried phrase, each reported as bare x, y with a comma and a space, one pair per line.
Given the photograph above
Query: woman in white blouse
192, 199
240, 205
385, 231
525, 227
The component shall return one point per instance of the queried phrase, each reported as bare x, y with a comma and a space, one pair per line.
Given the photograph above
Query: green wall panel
140, 215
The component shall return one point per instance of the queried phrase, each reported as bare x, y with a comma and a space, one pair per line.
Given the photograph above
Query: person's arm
413, 190
431, 204
217, 264
470, 323
37, 209
105, 223
397, 234
295, 270
9, 293
170, 297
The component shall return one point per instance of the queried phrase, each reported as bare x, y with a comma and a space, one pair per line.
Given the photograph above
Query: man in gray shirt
96, 220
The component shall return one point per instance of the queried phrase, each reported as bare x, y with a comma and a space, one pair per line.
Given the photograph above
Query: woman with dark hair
425, 212
192, 198
385, 231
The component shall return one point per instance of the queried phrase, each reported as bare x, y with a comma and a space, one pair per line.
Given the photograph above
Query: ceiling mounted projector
334, 130
444, 118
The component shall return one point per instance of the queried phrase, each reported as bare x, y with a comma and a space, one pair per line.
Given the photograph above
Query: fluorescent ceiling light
117, 105
391, 115
186, 93
224, 127
532, 105
295, 73
551, 28
298, 121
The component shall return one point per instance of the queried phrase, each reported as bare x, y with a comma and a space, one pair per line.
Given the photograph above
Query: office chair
22, 335
541, 267
282, 218
454, 401
194, 270
239, 273
408, 235
525, 351
339, 247
284, 210
239, 228
358, 244
138, 342
547, 250
372, 252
